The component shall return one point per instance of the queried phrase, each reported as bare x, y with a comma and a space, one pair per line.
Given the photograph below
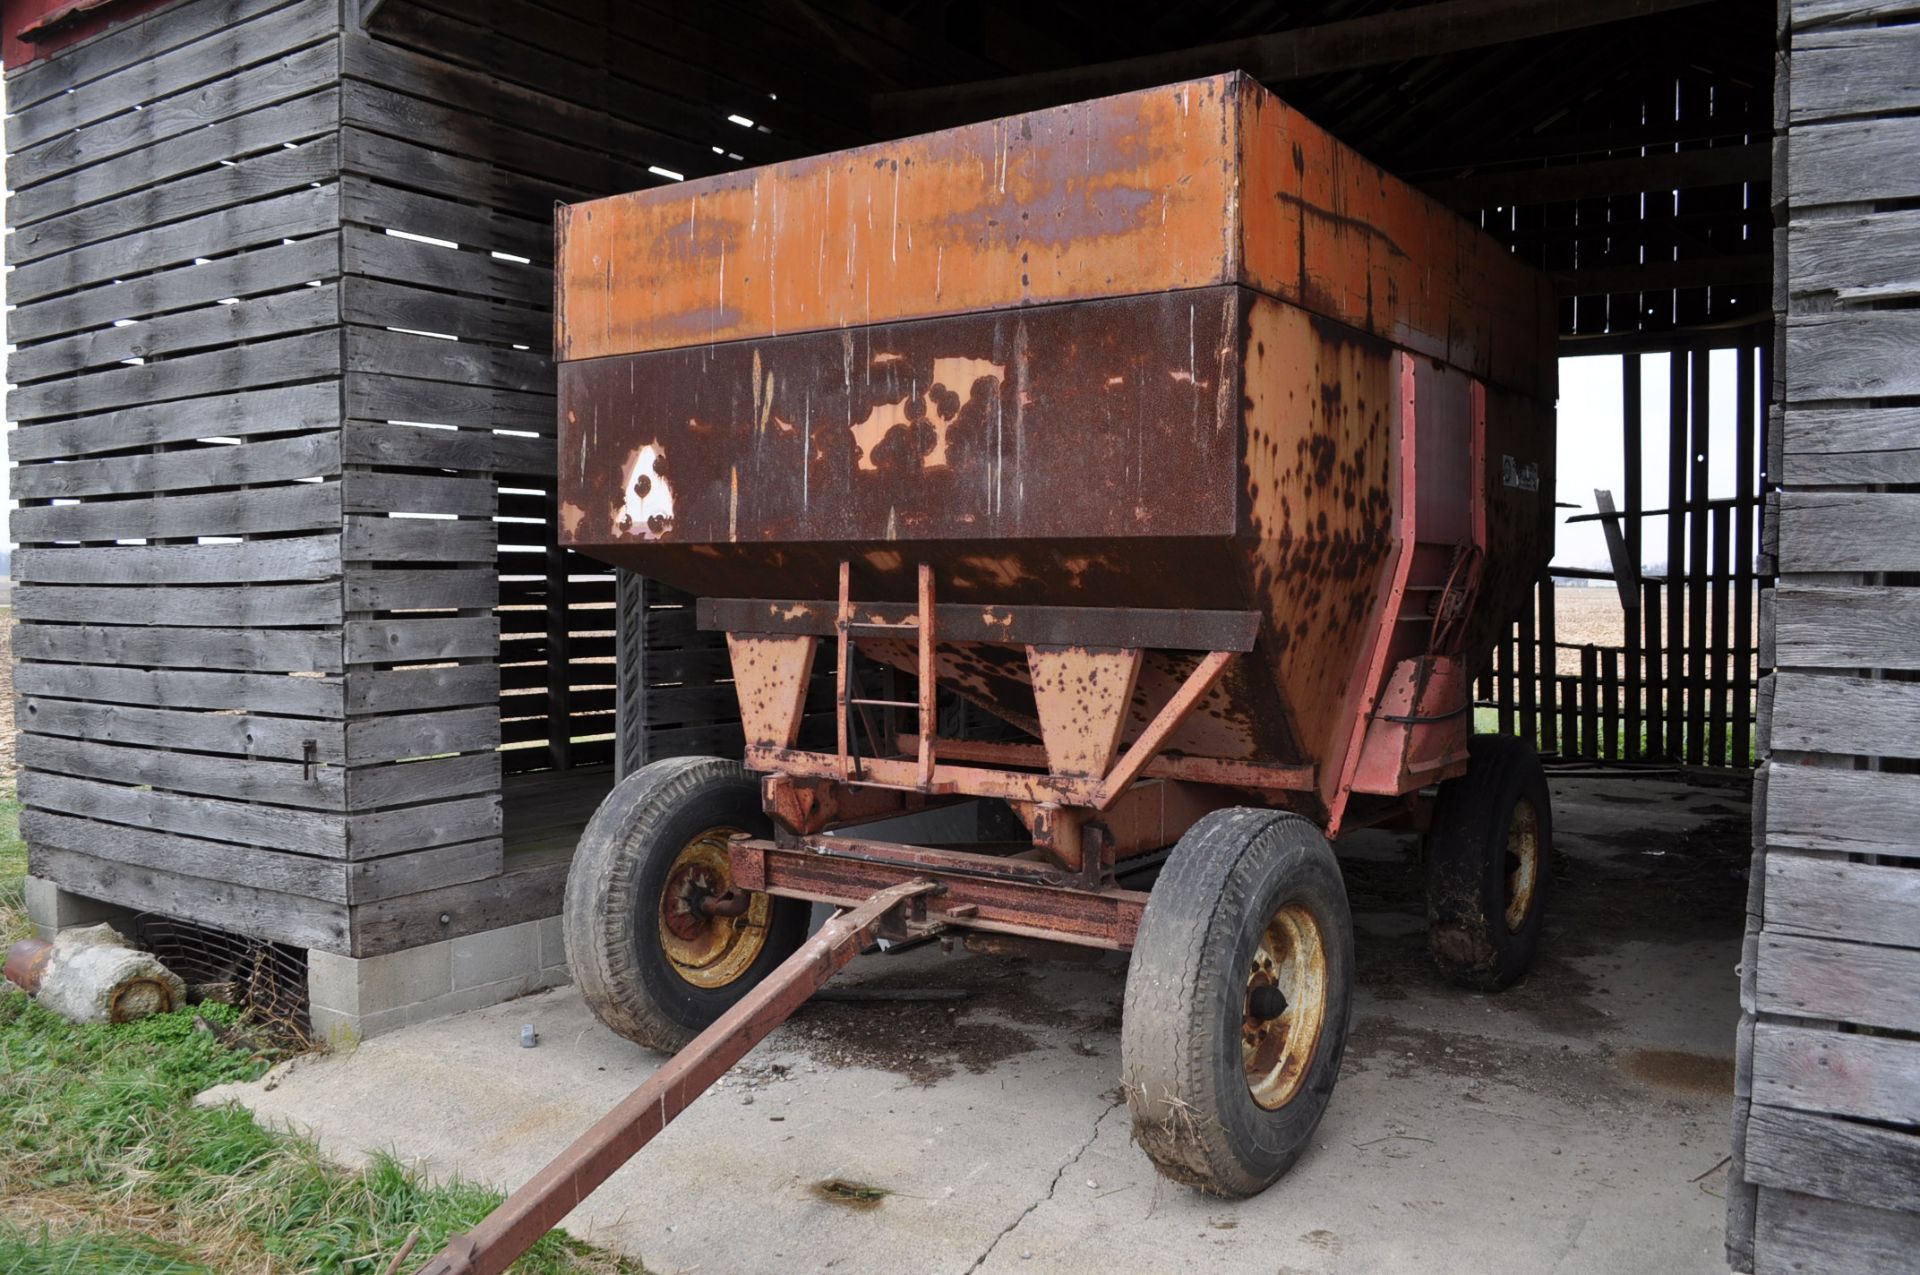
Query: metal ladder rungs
921, 626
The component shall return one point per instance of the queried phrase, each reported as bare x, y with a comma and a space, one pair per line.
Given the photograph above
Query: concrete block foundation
353, 998
52, 909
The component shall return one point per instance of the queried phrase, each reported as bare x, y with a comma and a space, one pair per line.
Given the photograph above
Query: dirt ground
1595, 616
1581, 616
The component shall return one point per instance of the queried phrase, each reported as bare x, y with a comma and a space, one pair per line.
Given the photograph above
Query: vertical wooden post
1719, 673
1569, 717
1503, 680
1549, 667
1631, 435
1746, 458
1699, 528
559, 664
1527, 673
1610, 703
1674, 681
1590, 701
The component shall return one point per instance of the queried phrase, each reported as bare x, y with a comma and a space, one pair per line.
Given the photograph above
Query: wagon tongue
577, 1172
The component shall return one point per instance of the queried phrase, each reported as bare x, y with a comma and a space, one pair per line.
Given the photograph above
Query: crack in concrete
1052, 1186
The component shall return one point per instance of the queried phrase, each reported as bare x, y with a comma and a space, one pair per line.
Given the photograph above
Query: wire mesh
267, 981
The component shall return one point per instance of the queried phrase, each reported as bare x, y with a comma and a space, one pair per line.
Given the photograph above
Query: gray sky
1590, 451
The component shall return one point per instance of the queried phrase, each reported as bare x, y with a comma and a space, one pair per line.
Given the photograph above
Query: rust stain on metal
961, 436
770, 681
1213, 181
1285, 1006
1106, 198
644, 507
913, 431
1024, 897
1082, 695
26, 964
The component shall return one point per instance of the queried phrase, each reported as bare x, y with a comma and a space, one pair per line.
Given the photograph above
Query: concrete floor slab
1572, 1124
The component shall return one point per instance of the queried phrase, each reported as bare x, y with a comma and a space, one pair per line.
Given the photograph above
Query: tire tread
1187, 938
600, 935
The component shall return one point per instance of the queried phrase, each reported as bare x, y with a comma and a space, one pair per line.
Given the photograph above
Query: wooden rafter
1397, 35
1719, 166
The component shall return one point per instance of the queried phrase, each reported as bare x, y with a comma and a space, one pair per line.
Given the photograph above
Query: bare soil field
1581, 616
1595, 616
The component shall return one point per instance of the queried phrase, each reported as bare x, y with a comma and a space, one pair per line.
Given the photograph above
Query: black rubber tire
613, 894
1180, 1044
1468, 866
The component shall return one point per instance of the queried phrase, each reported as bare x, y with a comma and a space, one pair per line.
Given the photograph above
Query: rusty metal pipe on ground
27, 964
94, 975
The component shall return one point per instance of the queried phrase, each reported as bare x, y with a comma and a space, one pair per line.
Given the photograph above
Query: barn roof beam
1744, 269
1397, 35
1718, 166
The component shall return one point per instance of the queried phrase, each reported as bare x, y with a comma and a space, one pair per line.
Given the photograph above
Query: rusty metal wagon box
1206, 457
1148, 351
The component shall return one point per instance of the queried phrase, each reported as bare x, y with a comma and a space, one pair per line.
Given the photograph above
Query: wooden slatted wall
1827, 1120
185, 719
465, 123
461, 126
1651, 217
284, 306
1679, 685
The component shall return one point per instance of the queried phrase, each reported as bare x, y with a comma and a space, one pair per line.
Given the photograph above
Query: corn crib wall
1826, 1127
299, 655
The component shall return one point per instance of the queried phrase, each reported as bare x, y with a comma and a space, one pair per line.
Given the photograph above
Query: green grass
1486, 721
107, 1167
13, 872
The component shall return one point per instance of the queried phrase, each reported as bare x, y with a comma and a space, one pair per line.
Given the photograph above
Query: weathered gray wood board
194, 700
1799, 1234
290, 605
1828, 896
1827, 1131
1840, 1073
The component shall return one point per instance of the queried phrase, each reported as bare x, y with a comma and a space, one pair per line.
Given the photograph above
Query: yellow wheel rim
1285, 1007
709, 951
1523, 862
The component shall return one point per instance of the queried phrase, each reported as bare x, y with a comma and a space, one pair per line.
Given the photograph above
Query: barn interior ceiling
1620, 144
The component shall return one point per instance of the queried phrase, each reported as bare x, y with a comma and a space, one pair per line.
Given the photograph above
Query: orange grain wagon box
1206, 457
